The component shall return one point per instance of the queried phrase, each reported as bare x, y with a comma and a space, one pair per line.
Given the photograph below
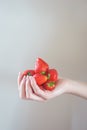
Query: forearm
77, 88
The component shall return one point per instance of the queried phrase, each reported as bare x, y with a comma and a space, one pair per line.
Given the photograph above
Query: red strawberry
29, 72
52, 75
41, 87
40, 79
49, 86
41, 66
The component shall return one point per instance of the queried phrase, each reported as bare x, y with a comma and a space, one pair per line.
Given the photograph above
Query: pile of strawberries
45, 77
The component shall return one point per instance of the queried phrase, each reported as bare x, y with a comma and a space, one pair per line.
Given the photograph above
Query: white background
55, 30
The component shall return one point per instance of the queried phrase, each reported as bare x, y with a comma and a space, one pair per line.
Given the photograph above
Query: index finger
20, 76
37, 90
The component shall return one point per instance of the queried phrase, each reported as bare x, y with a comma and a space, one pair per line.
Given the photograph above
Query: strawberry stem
29, 73
43, 72
51, 84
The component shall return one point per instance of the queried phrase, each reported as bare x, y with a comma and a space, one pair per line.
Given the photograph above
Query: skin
29, 90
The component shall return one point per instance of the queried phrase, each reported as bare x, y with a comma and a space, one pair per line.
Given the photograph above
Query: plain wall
56, 31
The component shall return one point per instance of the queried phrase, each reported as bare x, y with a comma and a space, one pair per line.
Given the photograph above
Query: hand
28, 89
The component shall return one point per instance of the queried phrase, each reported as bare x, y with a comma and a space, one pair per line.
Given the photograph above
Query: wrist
69, 86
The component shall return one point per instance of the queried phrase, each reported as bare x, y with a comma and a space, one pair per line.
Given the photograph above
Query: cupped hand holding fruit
43, 83
28, 89
40, 84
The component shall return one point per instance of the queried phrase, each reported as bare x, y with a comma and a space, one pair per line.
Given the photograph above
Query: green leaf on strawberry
49, 85
28, 72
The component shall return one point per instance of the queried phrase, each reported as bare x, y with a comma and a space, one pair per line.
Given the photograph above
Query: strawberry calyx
51, 83
29, 73
43, 72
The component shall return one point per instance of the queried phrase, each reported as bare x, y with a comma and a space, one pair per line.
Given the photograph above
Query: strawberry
40, 79
52, 75
49, 85
45, 77
41, 87
41, 66
29, 72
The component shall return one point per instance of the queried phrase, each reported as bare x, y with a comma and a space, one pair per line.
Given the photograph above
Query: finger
22, 93
28, 88
45, 94
37, 90
20, 76
29, 92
